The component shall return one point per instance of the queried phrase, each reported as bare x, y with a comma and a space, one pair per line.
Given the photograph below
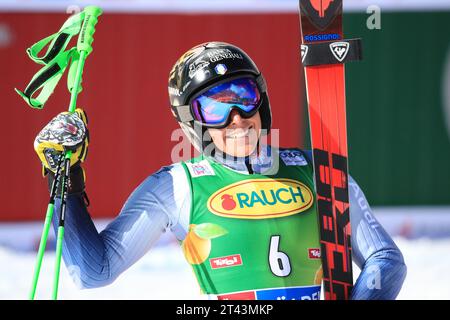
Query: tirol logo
261, 199
314, 253
224, 262
304, 52
321, 12
339, 50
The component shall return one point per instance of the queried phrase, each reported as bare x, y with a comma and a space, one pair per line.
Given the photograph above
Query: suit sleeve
96, 259
383, 269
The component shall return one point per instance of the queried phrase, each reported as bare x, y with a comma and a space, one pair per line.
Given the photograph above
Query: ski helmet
203, 66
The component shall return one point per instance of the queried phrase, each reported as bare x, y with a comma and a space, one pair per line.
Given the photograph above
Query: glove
66, 131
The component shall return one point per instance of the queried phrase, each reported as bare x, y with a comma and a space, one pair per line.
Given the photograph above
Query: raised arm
96, 259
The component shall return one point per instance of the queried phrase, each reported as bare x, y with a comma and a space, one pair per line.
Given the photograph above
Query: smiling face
240, 137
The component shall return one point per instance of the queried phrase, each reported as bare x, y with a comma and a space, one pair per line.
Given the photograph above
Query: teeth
238, 134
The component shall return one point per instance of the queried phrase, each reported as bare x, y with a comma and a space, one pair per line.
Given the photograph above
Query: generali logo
261, 199
224, 262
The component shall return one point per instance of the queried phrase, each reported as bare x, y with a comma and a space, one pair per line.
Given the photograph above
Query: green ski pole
60, 232
47, 224
57, 59
84, 47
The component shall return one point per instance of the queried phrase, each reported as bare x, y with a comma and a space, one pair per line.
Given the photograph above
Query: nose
235, 117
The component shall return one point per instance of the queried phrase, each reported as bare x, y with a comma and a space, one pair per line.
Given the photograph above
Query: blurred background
398, 113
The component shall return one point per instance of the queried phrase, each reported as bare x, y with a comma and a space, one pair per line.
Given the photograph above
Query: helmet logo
177, 70
220, 69
228, 203
174, 91
197, 66
216, 55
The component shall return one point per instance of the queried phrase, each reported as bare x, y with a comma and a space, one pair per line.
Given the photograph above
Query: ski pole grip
86, 37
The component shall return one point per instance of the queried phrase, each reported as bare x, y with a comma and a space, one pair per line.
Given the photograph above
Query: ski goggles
212, 106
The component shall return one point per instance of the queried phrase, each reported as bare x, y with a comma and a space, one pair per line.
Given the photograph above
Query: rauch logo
261, 199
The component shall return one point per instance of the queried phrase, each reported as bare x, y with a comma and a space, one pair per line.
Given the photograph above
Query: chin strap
248, 165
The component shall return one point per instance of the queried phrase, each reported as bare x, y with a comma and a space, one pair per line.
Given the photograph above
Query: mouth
239, 133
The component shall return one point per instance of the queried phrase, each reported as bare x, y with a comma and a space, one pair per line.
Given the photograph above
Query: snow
161, 274
164, 274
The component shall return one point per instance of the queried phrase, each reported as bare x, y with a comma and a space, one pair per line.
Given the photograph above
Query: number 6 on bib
280, 265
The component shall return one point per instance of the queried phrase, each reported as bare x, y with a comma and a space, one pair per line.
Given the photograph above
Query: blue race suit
162, 202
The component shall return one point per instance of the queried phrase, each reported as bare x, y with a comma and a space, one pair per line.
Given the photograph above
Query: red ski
324, 53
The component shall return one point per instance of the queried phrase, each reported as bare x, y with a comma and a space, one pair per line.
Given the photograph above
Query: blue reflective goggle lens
214, 106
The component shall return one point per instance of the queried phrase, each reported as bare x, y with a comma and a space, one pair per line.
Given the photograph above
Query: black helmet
203, 66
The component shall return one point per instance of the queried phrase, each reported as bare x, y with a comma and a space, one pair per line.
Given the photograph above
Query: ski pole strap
331, 52
55, 61
46, 79
59, 40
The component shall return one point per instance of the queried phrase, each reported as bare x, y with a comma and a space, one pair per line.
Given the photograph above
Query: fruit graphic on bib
197, 244
227, 202
319, 276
